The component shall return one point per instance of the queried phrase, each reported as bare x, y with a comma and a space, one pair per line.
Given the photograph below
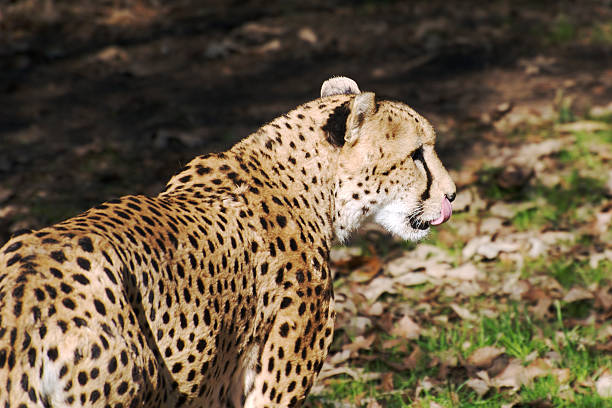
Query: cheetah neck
290, 160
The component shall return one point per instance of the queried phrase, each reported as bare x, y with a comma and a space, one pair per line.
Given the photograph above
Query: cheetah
218, 291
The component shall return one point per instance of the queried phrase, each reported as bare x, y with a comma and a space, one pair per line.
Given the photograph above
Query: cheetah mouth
417, 223
445, 212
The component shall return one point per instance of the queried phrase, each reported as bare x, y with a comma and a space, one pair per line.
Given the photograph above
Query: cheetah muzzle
217, 292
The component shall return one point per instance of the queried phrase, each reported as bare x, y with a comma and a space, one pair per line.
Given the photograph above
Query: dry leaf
484, 356
413, 359
462, 201
491, 225
412, 279
270, 46
377, 287
374, 404
576, 294
594, 259
462, 312
603, 298
406, 328
485, 247
513, 376
562, 374
360, 343
603, 220
479, 386
339, 358
369, 270
387, 344
598, 111
112, 53
540, 310
339, 256
386, 382
588, 126
306, 34
376, 309
357, 374
603, 385
467, 271
259, 29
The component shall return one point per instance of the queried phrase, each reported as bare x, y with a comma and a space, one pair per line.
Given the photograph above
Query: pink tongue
445, 213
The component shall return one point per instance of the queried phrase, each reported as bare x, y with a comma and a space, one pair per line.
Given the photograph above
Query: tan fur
217, 292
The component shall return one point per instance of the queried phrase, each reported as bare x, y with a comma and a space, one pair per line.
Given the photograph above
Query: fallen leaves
603, 385
406, 328
484, 356
481, 266
515, 375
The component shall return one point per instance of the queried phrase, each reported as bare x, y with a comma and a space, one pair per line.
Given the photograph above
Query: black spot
100, 307
335, 127
58, 256
280, 244
24, 382
18, 291
52, 354
95, 395
56, 272
86, 244
31, 357
69, 303
81, 278
280, 276
95, 351
83, 263
281, 220
122, 389
124, 358
82, 377
299, 275
285, 302
112, 365
284, 330
13, 247
271, 364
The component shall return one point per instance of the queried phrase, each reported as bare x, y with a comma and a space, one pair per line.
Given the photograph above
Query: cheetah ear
339, 86
363, 106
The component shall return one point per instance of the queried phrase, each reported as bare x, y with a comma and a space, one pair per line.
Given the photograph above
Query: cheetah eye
418, 155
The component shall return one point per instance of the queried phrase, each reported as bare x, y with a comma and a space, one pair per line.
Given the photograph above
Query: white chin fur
393, 217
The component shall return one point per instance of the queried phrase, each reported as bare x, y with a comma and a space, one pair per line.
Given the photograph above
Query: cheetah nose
445, 212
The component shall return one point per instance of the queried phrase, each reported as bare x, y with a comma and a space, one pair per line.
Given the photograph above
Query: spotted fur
217, 292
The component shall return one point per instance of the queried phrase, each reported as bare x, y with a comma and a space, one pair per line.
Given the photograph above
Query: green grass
514, 330
569, 272
561, 31
567, 335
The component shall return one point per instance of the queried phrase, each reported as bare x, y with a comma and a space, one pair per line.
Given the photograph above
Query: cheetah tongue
445, 213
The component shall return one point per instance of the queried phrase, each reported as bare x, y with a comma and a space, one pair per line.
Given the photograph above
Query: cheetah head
388, 168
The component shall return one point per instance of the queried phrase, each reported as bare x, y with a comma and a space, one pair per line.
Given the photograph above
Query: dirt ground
104, 98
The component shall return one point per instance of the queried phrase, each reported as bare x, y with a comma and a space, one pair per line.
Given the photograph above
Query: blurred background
110, 97
104, 98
